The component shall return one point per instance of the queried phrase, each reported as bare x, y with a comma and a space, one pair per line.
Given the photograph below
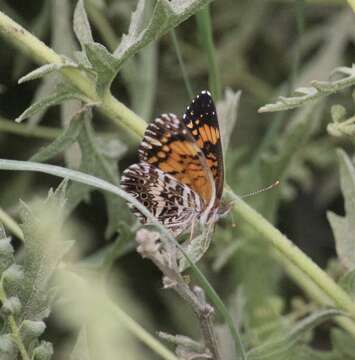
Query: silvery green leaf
344, 226
43, 250
104, 64
45, 70
8, 348
44, 351
195, 249
62, 142
81, 24
6, 251
227, 110
31, 330
11, 306
62, 93
166, 15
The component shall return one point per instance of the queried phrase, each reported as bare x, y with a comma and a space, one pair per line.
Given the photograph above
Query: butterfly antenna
276, 183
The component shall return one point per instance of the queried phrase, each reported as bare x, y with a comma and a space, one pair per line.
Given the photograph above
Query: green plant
264, 323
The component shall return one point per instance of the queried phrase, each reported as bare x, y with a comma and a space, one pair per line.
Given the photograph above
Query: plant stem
42, 132
182, 64
205, 31
314, 292
110, 106
10, 224
292, 254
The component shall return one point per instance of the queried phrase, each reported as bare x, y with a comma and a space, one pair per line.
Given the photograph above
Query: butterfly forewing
168, 145
201, 120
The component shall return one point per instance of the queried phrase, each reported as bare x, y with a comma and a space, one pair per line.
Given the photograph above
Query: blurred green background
264, 48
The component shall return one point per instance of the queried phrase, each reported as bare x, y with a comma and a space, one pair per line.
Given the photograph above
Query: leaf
62, 142
81, 348
281, 346
94, 162
104, 64
227, 110
45, 70
81, 24
166, 15
62, 93
344, 226
44, 248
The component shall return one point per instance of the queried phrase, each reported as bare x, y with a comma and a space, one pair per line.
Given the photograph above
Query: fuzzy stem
40, 52
294, 255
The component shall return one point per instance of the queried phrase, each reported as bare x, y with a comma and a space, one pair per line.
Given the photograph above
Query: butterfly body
179, 177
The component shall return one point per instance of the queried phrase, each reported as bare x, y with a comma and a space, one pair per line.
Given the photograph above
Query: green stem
205, 31
10, 224
120, 114
42, 132
314, 292
182, 64
292, 254
352, 4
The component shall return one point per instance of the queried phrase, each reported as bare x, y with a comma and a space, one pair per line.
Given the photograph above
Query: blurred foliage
266, 49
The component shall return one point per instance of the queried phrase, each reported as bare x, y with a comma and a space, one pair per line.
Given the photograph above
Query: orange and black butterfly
179, 178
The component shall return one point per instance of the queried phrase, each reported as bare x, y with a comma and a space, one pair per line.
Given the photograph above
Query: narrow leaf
81, 24
62, 142
62, 94
344, 227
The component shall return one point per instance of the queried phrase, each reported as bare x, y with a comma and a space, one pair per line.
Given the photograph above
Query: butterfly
180, 174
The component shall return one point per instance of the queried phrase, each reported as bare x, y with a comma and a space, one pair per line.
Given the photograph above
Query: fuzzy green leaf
43, 352
62, 93
166, 15
314, 92
104, 64
8, 350
44, 248
344, 227
81, 24
45, 70
6, 251
62, 142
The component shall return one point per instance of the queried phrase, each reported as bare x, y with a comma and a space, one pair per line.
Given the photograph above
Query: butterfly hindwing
172, 203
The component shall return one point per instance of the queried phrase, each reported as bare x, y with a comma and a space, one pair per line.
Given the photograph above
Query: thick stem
292, 254
40, 52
